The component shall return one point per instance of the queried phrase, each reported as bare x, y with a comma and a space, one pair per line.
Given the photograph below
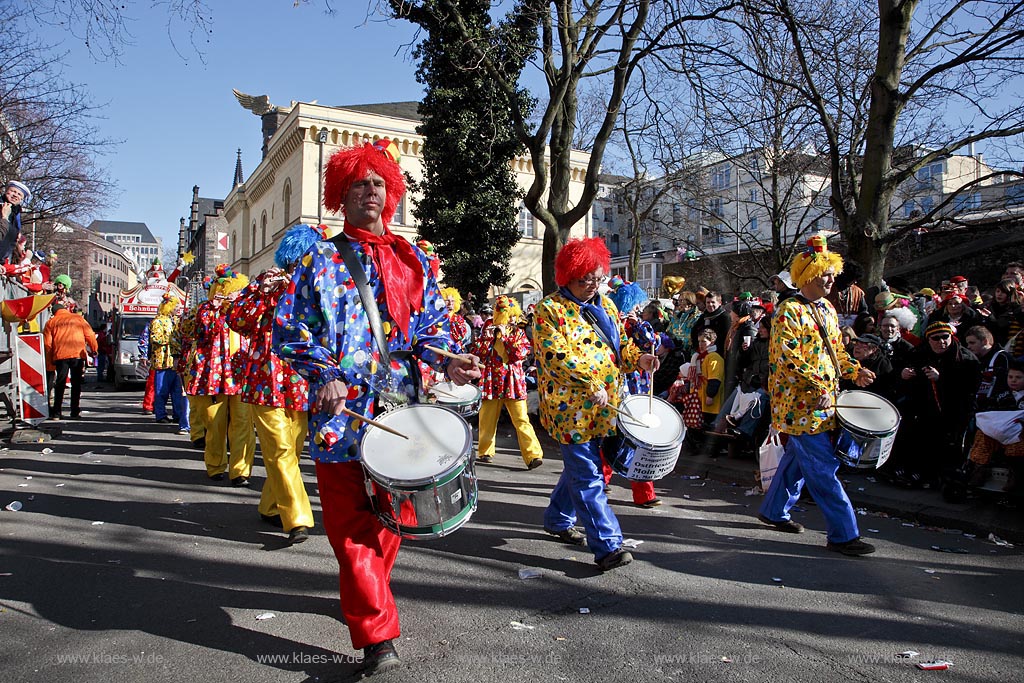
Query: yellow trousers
490, 410
282, 433
228, 425
196, 417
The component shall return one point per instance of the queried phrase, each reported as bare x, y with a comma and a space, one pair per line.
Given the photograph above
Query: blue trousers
166, 382
811, 458
579, 494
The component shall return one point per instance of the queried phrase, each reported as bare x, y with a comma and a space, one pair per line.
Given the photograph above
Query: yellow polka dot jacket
801, 368
573, 364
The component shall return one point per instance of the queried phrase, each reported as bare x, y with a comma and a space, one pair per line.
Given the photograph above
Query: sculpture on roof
257, 104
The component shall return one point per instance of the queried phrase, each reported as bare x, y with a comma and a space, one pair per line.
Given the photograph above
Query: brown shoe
616, 558
572, 535
788, 526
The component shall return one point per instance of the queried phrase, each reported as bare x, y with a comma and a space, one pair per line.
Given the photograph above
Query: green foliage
469, 206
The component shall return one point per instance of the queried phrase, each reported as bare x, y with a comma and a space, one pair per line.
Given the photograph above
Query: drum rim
461, 457
477, 396
623, 425
458, 522
863, 430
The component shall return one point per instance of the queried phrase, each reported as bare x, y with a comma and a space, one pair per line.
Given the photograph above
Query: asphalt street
126, 563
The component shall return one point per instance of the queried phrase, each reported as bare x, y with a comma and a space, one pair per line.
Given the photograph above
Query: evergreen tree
469, 206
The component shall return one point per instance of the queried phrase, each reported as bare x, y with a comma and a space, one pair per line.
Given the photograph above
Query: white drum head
877, 417
438, 438
450, 392
656, 423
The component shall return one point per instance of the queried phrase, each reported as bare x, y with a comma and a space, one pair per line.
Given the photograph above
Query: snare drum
464, 400
868, 432
649, 440
422, 487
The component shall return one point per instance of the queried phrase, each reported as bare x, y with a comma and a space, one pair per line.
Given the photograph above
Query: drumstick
627, 416
449, 354
435, 390
378, 425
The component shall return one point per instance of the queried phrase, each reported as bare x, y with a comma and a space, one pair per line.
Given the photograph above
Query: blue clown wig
628, 296
296, 242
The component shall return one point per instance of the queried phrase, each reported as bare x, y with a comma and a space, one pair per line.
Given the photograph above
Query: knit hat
814, 260
939, 327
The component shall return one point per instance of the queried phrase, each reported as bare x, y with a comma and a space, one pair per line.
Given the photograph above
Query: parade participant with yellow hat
806, 361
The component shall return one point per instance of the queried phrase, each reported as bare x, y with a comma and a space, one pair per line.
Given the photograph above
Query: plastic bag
769, 455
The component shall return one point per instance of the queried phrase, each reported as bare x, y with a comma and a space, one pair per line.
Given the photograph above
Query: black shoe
217, 477
652, 503
240, 481
616, 558
55, 417
535, 463
76, 416
199, 444
484, 458
299, 534
379, 657
272, 520
165, 420
788, 526
853, 548
572, 535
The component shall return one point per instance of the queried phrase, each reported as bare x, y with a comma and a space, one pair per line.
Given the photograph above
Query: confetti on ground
519, 626
265, 616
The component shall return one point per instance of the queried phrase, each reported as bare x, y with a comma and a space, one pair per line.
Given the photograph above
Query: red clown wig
579, 257
350, 164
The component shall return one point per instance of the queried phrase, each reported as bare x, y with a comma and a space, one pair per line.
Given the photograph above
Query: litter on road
13, 506
519, 626
529, 573
265, 616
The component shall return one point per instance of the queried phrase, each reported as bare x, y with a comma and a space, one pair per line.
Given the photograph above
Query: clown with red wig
322, 328
582, 352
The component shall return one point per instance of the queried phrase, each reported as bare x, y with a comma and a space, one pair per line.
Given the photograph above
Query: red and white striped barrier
30, 378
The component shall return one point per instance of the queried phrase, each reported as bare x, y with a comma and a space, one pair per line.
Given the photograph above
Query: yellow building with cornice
285, 188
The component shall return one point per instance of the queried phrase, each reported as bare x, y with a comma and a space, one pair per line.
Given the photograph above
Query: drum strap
355, 269
823, 332
358, 273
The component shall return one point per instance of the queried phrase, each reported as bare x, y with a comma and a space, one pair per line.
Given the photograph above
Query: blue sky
177, 119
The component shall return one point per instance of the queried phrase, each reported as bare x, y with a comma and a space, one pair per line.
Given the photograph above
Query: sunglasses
940, 337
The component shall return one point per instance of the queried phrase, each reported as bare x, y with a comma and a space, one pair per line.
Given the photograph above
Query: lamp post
321, 139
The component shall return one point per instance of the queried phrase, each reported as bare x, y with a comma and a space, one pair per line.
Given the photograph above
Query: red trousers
643, 491
365, 550
150, 396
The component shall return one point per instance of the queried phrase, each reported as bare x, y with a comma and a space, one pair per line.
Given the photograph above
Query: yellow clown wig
227, 281
814, 260
507, 311
453, 294
167, 305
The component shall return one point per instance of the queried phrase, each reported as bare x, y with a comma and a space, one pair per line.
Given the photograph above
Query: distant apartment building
135, 238
99, 269
736, 204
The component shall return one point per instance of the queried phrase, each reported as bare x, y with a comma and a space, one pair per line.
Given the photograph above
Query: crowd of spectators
941, 355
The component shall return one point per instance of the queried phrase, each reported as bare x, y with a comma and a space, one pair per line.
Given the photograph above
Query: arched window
234, 250
252, 242
263, 230
287, 198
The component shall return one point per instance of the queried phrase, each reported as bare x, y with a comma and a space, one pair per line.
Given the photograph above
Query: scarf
600, 316
399, 270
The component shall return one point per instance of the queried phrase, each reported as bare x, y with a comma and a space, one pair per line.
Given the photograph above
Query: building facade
285, 188
134, 238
